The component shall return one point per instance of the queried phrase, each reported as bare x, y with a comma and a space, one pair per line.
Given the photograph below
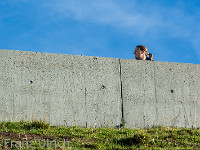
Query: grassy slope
101, 138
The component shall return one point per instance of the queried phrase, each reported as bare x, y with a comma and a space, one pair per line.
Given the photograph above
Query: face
139, 54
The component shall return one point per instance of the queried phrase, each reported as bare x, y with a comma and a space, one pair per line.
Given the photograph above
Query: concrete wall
160, 93
94, 91
61, 89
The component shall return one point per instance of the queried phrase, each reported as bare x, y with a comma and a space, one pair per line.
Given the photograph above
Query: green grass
99, 138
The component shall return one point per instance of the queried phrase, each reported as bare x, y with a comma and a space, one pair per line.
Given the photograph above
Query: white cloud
135, 18
106, 12
114, 14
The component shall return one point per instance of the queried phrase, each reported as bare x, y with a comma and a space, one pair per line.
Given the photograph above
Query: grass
96, 138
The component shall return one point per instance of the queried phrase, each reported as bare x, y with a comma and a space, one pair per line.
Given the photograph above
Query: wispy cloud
115, 14
105, 12
141, 18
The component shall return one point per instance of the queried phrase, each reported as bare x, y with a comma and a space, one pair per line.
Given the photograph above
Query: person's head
141, 52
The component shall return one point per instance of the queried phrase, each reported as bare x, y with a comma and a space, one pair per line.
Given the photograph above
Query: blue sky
106, 28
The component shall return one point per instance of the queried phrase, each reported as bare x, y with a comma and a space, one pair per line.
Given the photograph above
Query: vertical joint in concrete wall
155, 91
85, 97
86, 125
122, 107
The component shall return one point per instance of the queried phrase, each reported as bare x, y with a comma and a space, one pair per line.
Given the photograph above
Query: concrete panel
67, 90
23, 97
175, 94
6, 86
103, 92
195, 92
61, 89
138, 89
76, 93
160, 93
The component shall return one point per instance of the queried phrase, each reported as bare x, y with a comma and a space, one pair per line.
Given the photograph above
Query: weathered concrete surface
92, 91
138, 90
196, 95
61, 89
176, 93
160, 93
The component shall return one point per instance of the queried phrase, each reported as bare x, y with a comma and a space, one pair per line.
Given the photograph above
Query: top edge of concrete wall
55, 53
159, 61
92, 56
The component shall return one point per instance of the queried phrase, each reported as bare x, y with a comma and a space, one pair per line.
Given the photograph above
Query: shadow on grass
90, 145
132, 141
36, 125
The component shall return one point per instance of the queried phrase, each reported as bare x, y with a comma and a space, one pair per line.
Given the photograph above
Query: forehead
137, 48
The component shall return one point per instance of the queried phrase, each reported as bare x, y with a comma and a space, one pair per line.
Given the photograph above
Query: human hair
143, 48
